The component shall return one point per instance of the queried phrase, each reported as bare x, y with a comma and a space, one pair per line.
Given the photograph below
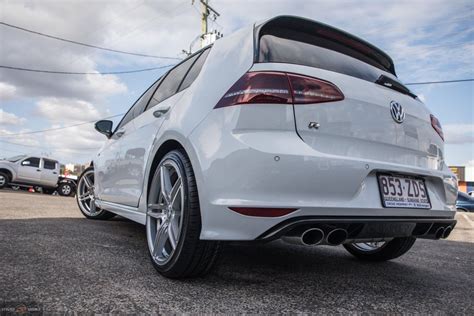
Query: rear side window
31, 162
49, 164
139, 105
170, 84
195, 70
308, 43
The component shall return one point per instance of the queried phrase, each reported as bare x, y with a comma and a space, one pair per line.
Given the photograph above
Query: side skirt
126, 211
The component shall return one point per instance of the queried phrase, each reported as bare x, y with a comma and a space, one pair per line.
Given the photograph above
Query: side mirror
26, 163
104, 127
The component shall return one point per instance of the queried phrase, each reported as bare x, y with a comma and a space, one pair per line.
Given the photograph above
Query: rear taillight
279, 88
437, 126
311, 90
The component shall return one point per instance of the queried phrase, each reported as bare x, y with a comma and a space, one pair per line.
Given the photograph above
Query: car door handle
39, 170
54, 172
161, 111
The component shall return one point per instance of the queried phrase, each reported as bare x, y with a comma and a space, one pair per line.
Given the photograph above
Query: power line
60, 128
83, 73
42, 147
436, 82
85, 44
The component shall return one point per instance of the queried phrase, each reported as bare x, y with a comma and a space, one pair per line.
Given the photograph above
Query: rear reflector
279, 88
437, 126
263, 212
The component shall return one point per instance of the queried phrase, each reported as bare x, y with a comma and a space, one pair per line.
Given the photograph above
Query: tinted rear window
49, 164
303, 42
171, 82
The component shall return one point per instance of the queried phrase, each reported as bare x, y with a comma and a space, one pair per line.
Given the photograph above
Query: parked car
465, 203
287, 129
37, 172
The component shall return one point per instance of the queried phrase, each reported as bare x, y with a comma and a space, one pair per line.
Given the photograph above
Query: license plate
403, 192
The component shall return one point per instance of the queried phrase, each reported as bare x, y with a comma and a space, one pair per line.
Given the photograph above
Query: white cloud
67, 110
459, 133
10, 118
418, 43
7, 91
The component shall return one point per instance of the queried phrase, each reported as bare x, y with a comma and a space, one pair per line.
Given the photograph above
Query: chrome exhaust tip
311, 237
439, 233
447, 231
336, 236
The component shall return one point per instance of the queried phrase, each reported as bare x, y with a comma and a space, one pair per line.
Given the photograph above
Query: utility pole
207, 36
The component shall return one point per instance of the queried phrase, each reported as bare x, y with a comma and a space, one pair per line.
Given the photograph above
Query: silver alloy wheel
3, 180
165, 212
85, 193
66, 189
369, 246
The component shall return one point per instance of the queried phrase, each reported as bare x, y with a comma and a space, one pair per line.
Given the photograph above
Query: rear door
29, 170
49, 173
138, 142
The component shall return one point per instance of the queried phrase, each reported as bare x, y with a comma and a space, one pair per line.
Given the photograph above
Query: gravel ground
52, 256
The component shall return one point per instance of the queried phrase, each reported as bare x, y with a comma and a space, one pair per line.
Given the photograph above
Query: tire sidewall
6, 180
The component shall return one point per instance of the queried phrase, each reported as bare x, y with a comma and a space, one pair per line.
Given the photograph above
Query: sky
428, 41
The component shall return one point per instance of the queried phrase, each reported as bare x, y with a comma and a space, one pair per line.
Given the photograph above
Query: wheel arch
165, 147
8, 172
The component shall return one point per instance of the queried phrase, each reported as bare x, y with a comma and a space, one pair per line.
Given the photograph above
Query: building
465, 176
75, 169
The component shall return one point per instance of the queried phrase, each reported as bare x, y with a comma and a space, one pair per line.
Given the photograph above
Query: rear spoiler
346, 43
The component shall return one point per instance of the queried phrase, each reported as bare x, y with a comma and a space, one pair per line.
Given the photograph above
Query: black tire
99, 214
4, 180
48, 191
65, 189
390, 250
192, 257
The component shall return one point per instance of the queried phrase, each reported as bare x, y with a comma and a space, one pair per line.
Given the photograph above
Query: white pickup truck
37, 172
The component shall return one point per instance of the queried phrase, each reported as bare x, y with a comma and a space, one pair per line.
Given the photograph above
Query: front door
29, 170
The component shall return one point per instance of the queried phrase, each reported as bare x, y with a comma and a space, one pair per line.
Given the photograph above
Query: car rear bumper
364, 228
276, 169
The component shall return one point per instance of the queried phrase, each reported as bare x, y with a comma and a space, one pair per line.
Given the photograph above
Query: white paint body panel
330, 171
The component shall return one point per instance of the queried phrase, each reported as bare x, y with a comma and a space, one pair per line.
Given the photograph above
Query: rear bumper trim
284, 227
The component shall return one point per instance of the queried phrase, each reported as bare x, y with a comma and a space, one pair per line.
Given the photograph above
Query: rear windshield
304, 42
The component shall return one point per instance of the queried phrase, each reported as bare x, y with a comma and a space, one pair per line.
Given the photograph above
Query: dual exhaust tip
316, 236
337, 236
443, 232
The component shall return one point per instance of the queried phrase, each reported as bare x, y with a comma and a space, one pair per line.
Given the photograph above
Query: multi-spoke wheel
164, 212
381, 251
173, 222
85, 197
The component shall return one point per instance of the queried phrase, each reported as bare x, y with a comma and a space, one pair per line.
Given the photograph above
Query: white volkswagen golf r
288, 129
